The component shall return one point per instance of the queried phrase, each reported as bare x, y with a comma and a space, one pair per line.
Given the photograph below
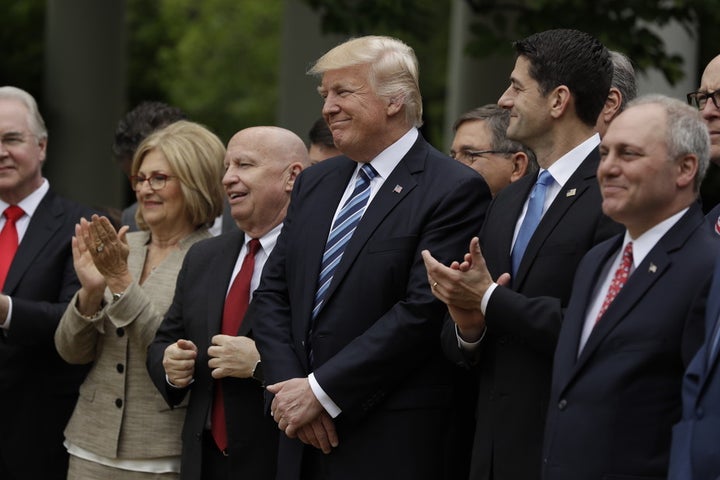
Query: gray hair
35, 120
623, 78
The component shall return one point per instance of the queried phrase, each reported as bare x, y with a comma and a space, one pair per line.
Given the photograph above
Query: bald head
710, 82
261, 166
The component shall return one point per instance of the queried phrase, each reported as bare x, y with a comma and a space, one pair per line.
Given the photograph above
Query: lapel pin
652, 268
570, 193
397, 189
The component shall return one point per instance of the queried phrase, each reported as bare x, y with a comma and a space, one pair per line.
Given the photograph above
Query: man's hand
320, 433
294, 405
232, 356
179, 362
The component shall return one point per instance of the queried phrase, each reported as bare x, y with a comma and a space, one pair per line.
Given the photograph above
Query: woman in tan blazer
121, 426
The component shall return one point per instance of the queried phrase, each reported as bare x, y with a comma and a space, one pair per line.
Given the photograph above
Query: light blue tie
532, 218
341, 232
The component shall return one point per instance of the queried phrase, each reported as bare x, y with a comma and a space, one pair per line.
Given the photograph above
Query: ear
395, 105
294, 170
520, 163
687, 171
560, 98
612, 105
42, 144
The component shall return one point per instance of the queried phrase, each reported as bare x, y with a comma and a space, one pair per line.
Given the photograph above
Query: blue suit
695, 441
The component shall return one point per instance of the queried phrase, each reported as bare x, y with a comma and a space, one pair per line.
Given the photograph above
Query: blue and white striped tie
341, 232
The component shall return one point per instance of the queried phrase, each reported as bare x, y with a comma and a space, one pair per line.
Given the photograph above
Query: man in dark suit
38, 389
351, 353
190, 355
507, 329
635, 317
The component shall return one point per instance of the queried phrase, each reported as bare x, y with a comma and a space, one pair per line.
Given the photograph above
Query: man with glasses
481, 143
38, 390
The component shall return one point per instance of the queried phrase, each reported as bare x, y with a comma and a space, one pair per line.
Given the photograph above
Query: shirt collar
563, 168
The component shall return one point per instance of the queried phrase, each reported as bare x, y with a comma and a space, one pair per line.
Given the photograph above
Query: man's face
356, 115
474, 136
529, 109
637, 180
710, 82
256, 182
21, 153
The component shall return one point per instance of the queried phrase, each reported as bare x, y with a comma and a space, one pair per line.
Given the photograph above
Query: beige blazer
120, 413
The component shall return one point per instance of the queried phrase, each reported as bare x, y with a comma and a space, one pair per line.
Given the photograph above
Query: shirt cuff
469, 346
327, 403
175, 386
486, 298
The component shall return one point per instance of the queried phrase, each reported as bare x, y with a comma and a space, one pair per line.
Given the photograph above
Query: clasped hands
461, 286
299, 414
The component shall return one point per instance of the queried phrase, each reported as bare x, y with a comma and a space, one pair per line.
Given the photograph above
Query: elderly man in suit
536, 231
38, 389
346, 324
203, 347
635, 318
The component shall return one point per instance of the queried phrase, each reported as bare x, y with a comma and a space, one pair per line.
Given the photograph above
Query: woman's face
161, 207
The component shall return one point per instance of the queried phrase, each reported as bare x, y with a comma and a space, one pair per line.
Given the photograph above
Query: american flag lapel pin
652, 268
397, 189
570, 193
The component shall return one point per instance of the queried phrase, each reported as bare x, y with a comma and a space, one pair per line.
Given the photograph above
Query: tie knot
545, 178
13, 212
368, 171
253, 246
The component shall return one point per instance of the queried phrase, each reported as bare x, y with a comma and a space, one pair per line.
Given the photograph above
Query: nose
230, 177
330, 105
505, 100
710, 110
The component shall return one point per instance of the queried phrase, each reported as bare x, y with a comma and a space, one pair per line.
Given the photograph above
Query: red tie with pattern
621, 276
236, 304
9, 240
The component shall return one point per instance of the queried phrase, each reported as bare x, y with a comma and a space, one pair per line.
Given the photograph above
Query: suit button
699, 413
118, 402
120, 367
562, 404
120, 332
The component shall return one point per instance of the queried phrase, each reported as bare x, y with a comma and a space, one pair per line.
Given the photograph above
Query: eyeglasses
156, 181
699, 99
469, 156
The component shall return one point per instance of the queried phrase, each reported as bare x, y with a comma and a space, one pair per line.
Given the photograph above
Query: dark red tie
621, 276
9, 240
236, 304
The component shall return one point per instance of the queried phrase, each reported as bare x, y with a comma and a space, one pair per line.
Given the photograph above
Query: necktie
342, 230
234, 310
532, 218
9, 240
621, 275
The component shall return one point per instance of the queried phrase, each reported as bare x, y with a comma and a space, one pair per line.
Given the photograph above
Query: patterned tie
9, 240
341, 232
532, 218
236, 305
621, 276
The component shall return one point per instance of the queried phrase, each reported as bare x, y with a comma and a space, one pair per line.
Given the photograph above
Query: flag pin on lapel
397, 189
652, 268
570, 193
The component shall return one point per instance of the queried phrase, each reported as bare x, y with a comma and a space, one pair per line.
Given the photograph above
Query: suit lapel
511, 205
221, 266
43, 226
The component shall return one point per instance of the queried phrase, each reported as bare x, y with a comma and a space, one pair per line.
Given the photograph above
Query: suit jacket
713, 218
120, 413
694, 452
38, 389
613, 406
196, 314
514, 362
375, 340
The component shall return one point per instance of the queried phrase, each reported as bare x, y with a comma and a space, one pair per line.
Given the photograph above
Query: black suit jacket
196, 315
613, 406
38, 389
375, 341
514, 363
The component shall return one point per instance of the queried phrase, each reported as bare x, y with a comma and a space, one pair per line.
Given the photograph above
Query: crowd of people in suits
540, 304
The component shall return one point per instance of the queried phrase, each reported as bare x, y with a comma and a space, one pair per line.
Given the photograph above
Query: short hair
498, 119
35, 120
623, 77
140, 122
686, 133
393, 69
196, 156
320, 134
574, 59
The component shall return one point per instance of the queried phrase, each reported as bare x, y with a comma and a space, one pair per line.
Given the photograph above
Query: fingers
329, 427
504, 280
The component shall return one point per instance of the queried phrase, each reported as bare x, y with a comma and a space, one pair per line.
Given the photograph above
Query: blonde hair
393, 69
196, 157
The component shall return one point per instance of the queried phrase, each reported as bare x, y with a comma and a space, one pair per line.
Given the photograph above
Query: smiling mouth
235, 195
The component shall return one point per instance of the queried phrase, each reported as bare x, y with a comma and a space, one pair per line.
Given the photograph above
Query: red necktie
236, 304
8, 240
621, 276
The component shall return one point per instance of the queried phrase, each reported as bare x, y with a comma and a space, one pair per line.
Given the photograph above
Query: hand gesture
179, 362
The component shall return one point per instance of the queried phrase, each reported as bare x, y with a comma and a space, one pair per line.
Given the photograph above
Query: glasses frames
469, 156
157, 181
699, 99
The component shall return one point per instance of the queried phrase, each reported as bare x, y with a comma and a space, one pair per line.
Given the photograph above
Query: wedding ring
434, 285
100, 248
